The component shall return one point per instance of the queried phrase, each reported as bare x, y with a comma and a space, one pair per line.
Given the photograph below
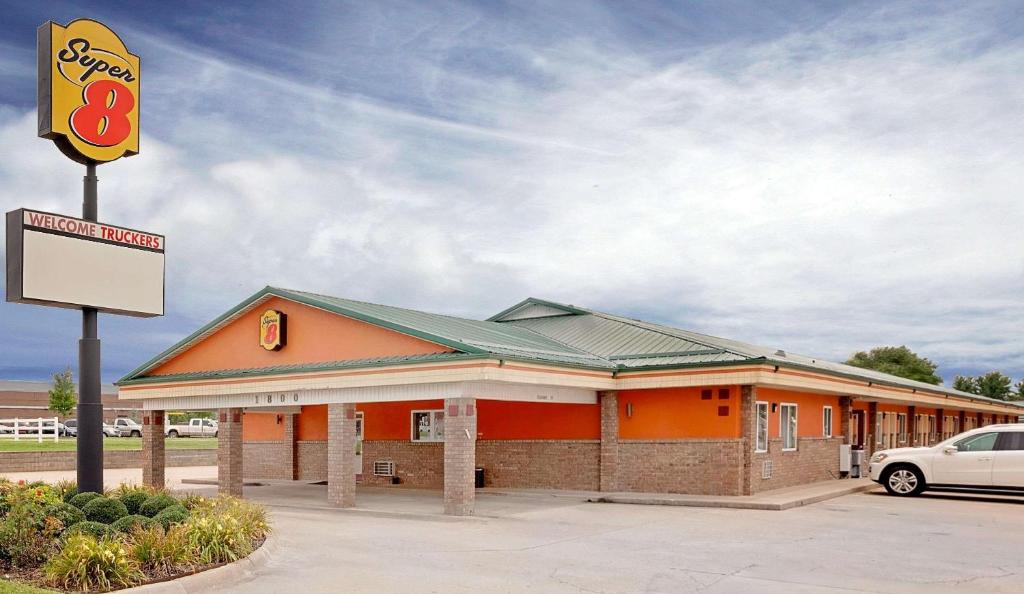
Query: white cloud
827, 191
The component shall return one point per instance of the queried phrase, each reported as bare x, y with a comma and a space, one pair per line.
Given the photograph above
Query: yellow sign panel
273, 330
88, 91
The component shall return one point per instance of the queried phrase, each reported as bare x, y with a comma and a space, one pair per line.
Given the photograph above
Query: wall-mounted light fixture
280, 419
775, 406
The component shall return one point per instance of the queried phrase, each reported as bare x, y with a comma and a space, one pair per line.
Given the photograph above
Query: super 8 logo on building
88, 91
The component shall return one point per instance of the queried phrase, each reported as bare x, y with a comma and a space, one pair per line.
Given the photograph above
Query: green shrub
156, 503
133, 500
174, 514
94, 529
86, 563
158, 551
128, 523
104, 510
216, 539
68, 514
79, 500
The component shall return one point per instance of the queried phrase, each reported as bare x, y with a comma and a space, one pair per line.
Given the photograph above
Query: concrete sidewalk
775, 500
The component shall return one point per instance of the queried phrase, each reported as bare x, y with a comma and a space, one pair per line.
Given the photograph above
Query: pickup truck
194, 428
127, 427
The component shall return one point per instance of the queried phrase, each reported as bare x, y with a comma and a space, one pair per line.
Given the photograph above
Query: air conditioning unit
384, 468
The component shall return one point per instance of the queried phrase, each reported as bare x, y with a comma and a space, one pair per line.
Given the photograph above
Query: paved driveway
859, 543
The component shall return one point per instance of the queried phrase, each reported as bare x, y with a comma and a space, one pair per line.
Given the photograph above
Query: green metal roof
639, 345
469, 337
533, 330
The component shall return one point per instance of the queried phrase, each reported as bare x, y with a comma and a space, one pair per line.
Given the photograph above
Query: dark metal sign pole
90, 405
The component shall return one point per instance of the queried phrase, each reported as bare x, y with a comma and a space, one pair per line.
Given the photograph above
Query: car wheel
215, 434
136, 434
903, 481
172, 433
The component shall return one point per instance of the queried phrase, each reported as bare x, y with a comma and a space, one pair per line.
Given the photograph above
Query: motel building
542, 395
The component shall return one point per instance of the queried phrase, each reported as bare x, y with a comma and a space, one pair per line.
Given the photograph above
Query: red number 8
103, 119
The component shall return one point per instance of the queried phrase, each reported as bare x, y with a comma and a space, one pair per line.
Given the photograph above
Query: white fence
37, 429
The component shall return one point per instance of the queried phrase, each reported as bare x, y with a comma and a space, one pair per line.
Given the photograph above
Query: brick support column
871, 443
459, 456
609, 470
981, 419
912, 426
940, 415
963, 421
291, 459
845, 411
748, 396
341, 455
229, 451
153, 459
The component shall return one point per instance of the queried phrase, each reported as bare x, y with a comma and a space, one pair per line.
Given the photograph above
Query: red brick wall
267, 459
418, 465
540, 464
312, 460
815, 459
48, 461
693, 466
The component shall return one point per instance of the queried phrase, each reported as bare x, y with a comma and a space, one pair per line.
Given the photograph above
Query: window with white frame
901, 427
761, 428
787, 426
826, 421
428, 425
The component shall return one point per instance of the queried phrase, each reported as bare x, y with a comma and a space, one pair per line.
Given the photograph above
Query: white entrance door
359, 442
1008, 465
970, 464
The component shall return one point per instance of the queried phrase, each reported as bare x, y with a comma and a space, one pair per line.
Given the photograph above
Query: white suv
990, 458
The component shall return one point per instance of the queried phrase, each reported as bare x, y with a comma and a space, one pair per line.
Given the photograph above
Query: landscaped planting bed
52, 536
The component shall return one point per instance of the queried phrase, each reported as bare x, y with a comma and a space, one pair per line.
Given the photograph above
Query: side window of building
787, 429
428, 425
901, 427
761, 427
826, 421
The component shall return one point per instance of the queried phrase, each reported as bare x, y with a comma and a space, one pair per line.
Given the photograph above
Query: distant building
30, 400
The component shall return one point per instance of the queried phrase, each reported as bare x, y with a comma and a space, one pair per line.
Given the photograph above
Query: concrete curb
736, 503
206, 581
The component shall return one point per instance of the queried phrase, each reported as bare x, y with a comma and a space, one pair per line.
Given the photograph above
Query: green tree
899, 361
966, 383
995, 385
62, 394
1020, 390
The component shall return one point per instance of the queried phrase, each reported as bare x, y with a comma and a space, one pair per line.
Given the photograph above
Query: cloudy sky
821, 178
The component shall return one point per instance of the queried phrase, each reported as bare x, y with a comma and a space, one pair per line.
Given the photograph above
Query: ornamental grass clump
155, 504
216, 539
104, 510
159, 552
87, 564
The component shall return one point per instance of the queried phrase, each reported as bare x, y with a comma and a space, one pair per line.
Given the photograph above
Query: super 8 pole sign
88, 91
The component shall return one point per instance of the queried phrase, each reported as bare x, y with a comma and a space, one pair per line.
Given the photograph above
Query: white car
989, 458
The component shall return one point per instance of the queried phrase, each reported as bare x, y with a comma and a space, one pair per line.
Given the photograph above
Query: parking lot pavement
859, 543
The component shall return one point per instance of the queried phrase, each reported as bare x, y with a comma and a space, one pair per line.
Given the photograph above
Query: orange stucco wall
538, 420
314, 336
392, 420
495, 420
262, 427
676, 413
809, 412
312, 423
